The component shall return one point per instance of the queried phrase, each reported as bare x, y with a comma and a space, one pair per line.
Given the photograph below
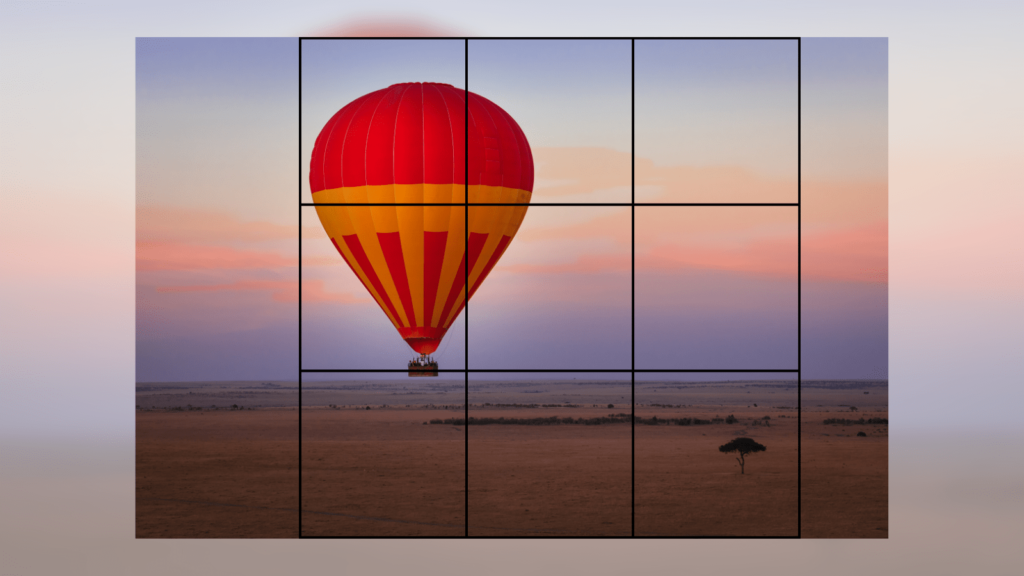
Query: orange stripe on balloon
350, 259
433, 259
476, 244
391, 245
457, 287
343, 257
356, 248
502, 244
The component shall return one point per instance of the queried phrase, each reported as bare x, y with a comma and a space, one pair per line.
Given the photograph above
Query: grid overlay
632, 205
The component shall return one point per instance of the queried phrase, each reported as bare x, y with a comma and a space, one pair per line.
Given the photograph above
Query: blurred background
67, 292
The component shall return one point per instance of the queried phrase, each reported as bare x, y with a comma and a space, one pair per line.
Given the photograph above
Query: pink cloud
712, 184
856, 254
153, 256
775, 257
335, 260
586, 264
174, 224
582, 170
845, 204
281, 290
567, 171
611, 225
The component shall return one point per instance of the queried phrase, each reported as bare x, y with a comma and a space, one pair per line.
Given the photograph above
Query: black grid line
632, 205
527, 38
632, 286
300, 288
562, 204
563, 370
465, 285
799, 295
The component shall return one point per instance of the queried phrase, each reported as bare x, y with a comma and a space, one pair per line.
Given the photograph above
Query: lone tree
744, 446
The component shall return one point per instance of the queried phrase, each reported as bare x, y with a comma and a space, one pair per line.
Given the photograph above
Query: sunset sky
217, 214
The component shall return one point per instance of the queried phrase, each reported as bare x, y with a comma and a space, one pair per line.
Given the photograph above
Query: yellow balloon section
412, 259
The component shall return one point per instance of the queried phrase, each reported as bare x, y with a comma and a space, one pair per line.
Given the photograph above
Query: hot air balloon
406, 144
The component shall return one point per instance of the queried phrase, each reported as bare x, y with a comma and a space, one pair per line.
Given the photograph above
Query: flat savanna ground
383, 472
845, 477
549, 480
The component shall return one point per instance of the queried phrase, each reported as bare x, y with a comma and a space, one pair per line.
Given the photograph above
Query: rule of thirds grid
632, 205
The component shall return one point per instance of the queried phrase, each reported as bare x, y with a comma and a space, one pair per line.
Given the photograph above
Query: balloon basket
422, 367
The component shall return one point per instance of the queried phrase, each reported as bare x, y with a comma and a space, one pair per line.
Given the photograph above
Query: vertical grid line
799, 297
465, 278
632, 285
300, 288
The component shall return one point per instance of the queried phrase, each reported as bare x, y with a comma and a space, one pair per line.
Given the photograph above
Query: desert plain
539, 458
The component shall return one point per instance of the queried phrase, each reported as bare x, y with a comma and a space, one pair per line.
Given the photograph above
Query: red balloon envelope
406, 144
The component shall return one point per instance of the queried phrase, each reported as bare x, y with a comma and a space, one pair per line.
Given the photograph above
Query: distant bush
611, 406
453, 421
547, 421
655, 421
730, 419
861, 433
858, 422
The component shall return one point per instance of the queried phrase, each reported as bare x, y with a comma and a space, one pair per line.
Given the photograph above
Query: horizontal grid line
565, 204
547, 536
561, 370
483, 38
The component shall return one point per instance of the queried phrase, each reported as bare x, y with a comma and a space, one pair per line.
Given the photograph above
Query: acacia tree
744, 446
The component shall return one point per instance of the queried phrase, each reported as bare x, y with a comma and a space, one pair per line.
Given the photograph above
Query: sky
68, 291
715, 288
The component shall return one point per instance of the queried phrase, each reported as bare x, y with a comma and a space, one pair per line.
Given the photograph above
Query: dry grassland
383, 472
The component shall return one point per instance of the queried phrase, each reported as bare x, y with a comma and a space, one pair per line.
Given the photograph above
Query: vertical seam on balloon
501, 163
423, 144
327, 141
470, 119
451, 131
366, 144
344, 141
524, 152
465, 144
323, 152
504, 117
513, 129
394, 137
520, 160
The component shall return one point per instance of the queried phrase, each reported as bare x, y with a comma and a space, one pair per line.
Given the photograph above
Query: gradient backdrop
68, 360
